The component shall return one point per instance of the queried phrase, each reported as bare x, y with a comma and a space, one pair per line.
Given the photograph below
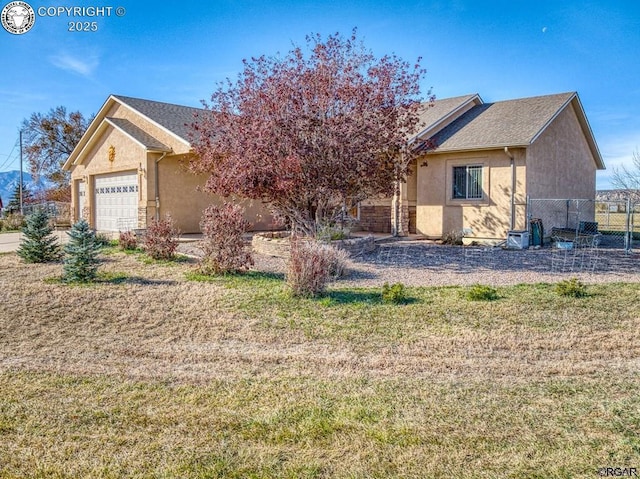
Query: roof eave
134, 139
591, 139
477, 148
88, 134
429, 130
584, 124
150, 120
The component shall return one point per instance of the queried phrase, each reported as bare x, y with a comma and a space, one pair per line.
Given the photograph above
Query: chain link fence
584, 222
59, 212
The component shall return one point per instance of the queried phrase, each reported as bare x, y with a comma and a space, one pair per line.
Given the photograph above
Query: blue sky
177, 51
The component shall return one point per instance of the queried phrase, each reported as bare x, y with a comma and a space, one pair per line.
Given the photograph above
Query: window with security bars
467, 182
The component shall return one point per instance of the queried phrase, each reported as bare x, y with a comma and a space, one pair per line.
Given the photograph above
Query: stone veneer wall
412, 219
376, 219
142, 217
277, 244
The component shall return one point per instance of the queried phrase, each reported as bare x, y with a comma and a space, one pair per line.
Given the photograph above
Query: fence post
628, 235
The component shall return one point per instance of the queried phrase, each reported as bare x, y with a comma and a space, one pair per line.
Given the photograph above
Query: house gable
156, 125
111, 150
540, 146
560, 161
138, 135
512, 124
434, 116
174, 119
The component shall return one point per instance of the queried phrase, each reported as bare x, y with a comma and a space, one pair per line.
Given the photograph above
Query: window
467, 182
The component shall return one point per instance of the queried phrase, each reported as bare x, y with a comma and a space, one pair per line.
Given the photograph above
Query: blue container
537, 232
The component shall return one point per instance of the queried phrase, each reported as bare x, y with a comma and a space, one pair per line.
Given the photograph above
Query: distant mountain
10, 179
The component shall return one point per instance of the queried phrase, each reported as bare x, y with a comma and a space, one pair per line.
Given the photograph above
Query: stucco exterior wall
561, 166
560, 163
177, 187
129, 156
488, 218
180, 198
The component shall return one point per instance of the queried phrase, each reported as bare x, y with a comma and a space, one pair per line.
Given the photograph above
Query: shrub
13, 222
223, 245
127, 240
338, 260
38, 245
394, 294
81, 254
481, 292
103, 240
332, 233
572, 288
453, 238
161, 240
309, 267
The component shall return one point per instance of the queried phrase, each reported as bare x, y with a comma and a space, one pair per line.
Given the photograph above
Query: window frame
472, 183
471, 160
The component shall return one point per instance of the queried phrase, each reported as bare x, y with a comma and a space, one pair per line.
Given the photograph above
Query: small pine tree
14, 203
81, 254
38, 244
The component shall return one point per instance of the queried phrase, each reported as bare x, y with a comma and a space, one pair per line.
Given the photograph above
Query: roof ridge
514, 122
171, 117
568, 94
125, 97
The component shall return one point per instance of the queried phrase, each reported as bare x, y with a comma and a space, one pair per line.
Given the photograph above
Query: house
479, 162
128, 168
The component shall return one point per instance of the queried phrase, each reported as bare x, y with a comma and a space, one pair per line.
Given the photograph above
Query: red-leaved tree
311, 133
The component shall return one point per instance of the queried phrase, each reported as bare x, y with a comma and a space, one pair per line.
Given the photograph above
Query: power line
8, 164
8, 160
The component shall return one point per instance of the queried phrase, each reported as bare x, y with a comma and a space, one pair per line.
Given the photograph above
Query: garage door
116, 201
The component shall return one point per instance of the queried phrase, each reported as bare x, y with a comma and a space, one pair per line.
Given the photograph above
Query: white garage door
116, 201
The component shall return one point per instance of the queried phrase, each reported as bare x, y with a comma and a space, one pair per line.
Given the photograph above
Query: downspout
157, 169
513, 187
396, 208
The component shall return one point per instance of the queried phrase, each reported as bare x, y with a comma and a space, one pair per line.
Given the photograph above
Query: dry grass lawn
614, 222
150, 373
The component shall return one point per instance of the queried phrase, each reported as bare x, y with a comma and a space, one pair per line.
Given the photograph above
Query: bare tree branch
49, 140
627, 178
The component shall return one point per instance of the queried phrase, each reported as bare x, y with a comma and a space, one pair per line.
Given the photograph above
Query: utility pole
21, 178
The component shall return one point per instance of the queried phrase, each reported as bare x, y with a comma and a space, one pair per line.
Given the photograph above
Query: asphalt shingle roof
486, 125
138, 134
504, 123
175, 118
431, 113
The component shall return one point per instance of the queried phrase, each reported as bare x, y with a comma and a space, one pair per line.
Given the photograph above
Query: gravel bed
421, 263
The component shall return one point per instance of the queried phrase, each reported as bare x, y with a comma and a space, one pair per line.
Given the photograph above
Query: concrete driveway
10, 241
